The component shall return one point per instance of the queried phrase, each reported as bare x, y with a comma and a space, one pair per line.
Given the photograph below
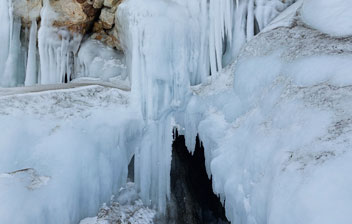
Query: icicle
221, 23
250, 20
4, 35
31, 72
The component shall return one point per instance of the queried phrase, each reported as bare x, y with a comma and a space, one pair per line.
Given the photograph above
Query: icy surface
125, 208
331, 17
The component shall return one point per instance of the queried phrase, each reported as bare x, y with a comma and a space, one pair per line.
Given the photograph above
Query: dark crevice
256, 26
130, 176
192, 197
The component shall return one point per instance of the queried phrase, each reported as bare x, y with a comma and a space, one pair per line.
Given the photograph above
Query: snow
330, 17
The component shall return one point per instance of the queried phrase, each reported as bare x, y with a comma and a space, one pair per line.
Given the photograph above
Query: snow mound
332, 17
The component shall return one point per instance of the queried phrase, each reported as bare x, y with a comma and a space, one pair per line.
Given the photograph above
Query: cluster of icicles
30, 57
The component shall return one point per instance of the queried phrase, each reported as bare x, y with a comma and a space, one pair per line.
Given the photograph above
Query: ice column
158, 40
31, 71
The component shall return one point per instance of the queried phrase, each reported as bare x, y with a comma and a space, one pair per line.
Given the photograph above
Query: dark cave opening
192, 198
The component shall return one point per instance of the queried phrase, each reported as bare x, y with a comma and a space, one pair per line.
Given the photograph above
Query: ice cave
175, 111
